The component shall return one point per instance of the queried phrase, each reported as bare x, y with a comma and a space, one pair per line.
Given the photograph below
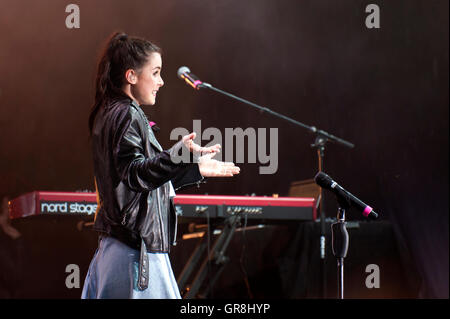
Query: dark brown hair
122, 52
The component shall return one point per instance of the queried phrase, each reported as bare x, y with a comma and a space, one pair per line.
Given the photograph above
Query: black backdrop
385, 90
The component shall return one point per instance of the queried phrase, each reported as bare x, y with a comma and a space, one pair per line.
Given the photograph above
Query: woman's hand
210, 167
197, 149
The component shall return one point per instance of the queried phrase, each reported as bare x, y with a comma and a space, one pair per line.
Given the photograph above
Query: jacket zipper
124, 219
160, 217
174, 241
196, 183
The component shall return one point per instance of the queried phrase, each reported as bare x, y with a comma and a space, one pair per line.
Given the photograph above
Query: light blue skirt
113, 273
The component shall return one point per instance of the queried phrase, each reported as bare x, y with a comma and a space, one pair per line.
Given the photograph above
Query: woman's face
148, 81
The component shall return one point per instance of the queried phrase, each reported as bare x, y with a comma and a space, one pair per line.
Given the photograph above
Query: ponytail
120, 54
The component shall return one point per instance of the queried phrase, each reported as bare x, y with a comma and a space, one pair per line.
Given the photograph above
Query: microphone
325, 181
185, 74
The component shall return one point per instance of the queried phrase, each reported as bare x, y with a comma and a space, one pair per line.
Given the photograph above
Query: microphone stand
321, 137
319, 143
339, 243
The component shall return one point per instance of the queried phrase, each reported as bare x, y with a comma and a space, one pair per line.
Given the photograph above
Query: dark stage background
385, 90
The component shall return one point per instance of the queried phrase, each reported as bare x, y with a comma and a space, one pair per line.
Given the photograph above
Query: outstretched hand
213, 168
208, 166
197, 149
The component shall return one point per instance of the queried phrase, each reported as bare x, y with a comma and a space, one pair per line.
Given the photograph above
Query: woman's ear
130, 76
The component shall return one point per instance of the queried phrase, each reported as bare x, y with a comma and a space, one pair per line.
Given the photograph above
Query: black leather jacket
132, 173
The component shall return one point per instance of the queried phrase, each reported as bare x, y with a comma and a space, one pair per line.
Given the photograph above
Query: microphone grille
323, 180
181, 70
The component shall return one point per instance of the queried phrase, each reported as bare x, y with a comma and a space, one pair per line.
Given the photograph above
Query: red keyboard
36, 203
195, 206
254, 207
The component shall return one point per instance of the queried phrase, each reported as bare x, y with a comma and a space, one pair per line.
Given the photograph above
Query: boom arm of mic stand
312, 129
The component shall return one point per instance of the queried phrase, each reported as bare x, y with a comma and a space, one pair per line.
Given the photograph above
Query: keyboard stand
214, 262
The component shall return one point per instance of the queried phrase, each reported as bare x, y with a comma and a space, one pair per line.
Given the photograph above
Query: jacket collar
152, 137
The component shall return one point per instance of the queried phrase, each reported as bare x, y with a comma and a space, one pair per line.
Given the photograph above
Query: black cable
241, 259
208, 253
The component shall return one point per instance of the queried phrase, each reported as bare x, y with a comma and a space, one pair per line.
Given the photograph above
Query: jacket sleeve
188, 177
134, 169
